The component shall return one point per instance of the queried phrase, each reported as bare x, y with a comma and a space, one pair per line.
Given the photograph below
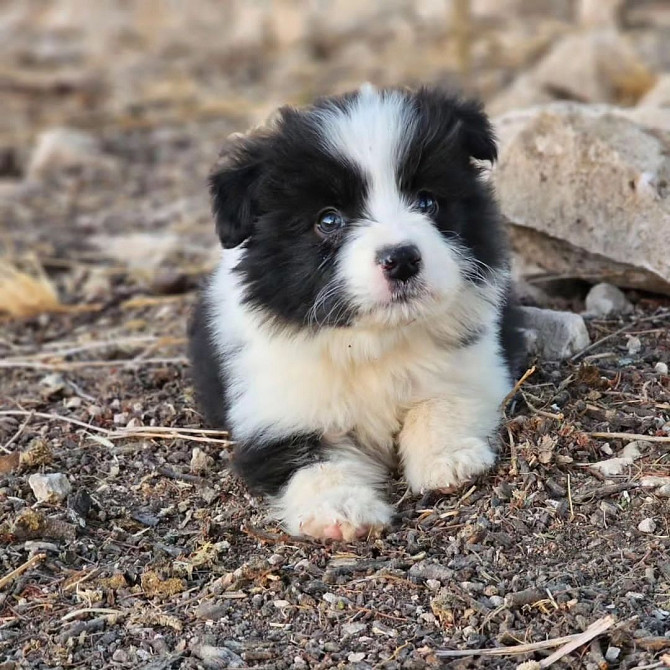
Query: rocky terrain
125, 542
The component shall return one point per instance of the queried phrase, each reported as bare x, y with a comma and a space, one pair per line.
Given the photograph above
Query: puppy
359, 318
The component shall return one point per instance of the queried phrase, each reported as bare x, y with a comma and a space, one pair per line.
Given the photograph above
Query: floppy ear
476, 131
233, 186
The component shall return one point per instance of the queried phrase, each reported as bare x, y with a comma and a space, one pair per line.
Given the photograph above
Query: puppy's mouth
407, 291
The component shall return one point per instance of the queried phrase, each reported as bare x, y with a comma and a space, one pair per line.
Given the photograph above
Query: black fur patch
449, 134
205, 369
266, 467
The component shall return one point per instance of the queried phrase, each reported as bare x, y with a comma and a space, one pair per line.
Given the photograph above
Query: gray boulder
587, 193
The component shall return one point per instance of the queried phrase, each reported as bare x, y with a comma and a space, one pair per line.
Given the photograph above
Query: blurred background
113, 113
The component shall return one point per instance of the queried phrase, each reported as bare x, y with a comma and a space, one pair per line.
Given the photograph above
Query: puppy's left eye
329, 222
426, 203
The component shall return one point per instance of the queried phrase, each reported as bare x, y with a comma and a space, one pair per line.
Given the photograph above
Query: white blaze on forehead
372, 131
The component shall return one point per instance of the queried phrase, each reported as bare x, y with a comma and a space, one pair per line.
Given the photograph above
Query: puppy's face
362, 209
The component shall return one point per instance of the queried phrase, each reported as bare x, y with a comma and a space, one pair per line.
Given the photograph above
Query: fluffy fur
359, 318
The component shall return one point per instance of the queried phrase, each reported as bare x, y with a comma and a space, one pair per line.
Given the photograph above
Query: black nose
401, 262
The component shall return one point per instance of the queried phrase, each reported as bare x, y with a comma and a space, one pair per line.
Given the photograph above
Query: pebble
121, 419
607, 300
612, 654
382, 629
634, 345
336, 601
427, 570
53, 487
647, 525
356, 657
120, 656
200, 461
351, 629
661, 368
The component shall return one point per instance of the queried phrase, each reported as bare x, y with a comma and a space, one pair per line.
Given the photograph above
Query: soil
158, 558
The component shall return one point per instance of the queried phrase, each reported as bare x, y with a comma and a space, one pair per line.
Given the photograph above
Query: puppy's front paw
342, 513
337, 512
451, 467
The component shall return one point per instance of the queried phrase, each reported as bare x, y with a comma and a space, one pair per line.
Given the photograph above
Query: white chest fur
360, 381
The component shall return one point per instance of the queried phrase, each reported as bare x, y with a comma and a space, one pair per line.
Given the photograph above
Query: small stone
356, 657
53, 487
337, 602
120, 656
80, 502
121, 419
553, 335
281, 604
634, 345
209, 495
211, 611
433, 584
653, 481
647, 525
200, 461
497, 601
663, 491
661, 368
428, 570
379, 628
351, 629
607, 300
612, 653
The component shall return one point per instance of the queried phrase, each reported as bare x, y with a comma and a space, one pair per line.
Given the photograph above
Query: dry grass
26, 291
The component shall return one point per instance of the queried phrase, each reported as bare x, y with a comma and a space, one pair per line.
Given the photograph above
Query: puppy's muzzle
400, 263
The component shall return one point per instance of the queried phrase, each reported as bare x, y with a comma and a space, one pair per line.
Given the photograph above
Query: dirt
158, 558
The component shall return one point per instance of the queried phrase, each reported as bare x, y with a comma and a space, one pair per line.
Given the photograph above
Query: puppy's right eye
329, 222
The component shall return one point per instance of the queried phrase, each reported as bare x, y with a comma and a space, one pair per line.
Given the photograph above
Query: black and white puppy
359, 316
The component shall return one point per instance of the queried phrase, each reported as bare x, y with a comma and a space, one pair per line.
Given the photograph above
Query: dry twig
33, 560
507, 399
569, 643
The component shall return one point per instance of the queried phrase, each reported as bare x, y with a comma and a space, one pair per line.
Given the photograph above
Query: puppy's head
365, 208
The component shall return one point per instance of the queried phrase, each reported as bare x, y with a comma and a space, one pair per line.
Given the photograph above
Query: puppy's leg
318, 487
441, 444
338, 498
450, 436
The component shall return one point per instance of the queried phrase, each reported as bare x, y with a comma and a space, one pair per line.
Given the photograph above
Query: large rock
597, 65
659, 94
587, 192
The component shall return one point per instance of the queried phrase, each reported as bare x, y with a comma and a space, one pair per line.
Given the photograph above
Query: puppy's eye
328, 222
426, 203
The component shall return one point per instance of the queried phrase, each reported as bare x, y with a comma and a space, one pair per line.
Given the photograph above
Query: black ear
233, 186
476, 131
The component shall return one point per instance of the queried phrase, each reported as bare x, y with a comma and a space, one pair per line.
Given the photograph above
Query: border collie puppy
358, 319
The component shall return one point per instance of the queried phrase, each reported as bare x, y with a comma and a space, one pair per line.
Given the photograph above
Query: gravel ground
149, 554
158, 558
